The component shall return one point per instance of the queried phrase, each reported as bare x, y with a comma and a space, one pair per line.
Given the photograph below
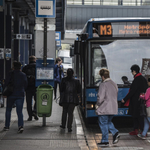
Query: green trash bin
44, 100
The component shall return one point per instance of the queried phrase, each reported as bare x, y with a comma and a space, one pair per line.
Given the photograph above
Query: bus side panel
91, 97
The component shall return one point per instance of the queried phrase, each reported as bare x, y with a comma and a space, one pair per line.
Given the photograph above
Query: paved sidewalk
36, 137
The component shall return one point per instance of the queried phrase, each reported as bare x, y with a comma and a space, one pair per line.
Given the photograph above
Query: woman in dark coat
69, 90
139, 85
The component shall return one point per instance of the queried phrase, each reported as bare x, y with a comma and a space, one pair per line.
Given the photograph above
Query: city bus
115, 44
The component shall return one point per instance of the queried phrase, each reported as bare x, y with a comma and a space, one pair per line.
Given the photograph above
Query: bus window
98, 62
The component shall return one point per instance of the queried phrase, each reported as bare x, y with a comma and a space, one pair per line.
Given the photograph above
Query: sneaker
135, 132
116, 138
2, 105
20, 130
141, 136
6, 128
62, 127
103, 144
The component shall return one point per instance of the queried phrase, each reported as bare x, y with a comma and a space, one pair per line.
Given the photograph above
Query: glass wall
109, 2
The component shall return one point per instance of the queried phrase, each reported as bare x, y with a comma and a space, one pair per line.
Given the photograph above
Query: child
146, 97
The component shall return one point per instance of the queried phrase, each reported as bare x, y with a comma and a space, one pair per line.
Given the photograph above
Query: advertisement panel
145, 70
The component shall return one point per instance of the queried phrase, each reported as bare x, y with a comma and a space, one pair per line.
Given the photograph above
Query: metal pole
5, 40
45, 58
45, 42
44, 120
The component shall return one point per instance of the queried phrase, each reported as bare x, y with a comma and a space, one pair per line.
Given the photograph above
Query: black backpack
30, 73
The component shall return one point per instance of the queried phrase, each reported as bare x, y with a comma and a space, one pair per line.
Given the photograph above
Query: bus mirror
77, 46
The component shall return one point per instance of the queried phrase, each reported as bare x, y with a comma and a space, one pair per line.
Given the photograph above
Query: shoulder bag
8, 90
142, 108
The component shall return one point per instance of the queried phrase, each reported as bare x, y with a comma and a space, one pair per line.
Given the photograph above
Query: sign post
45, 9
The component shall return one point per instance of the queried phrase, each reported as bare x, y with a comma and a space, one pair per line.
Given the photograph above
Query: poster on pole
45, 8
145, 70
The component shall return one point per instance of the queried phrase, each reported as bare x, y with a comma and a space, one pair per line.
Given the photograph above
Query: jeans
146, 125
19, 106
106, 125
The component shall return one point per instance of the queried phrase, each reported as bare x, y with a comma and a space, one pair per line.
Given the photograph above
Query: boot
135, 132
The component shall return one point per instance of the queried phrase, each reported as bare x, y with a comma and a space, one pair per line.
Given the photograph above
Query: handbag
142, 108
8, 90
148, 111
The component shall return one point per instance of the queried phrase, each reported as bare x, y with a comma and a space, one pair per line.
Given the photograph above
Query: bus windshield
118, 56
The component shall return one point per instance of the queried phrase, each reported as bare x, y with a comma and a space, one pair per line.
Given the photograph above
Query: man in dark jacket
19, 86
69, 90
139, 85
29, 70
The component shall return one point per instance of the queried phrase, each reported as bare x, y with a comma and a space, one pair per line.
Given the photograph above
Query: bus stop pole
45, 58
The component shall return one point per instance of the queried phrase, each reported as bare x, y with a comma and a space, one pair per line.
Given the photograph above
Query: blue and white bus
115, 44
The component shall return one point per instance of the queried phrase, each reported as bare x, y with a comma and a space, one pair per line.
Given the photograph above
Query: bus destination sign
122, 29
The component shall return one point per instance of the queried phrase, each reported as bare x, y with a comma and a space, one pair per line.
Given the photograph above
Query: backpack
30, 73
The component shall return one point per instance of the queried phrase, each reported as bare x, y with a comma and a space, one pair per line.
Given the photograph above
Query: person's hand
122, 101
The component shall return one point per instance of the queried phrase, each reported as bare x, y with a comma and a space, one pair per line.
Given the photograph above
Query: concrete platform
37, 137
52, 137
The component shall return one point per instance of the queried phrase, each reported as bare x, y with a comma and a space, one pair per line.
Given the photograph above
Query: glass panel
129, 2
98, 62
88, 2
120, 56
96, 2
74, 2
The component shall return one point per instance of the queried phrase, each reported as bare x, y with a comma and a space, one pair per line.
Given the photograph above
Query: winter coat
19, 83
57, 76
107, 98
69, 90
30, 70
139, 85
146, 97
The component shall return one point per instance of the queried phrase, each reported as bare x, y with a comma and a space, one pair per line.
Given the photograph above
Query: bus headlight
89, 106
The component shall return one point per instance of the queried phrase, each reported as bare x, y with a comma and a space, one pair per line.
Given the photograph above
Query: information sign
1, 53
45, 8
8, 53
24, 36
58, 38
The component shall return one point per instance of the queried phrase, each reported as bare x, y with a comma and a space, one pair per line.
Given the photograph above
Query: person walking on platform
29, 70
107, 107
58, 75
139, 85
69, 90
146, 97
19, 85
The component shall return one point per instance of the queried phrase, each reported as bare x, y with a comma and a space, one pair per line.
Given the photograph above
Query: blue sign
58, 38
1, 2
45, 8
